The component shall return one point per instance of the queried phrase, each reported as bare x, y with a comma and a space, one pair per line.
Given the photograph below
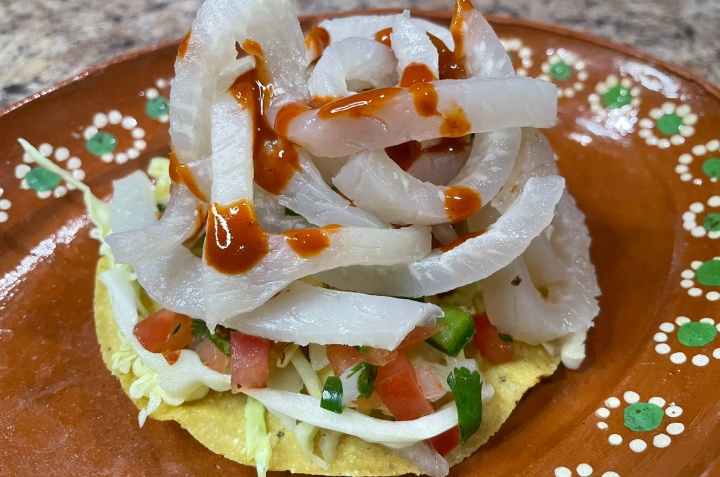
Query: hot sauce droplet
415, 73
310, 242
274, 158
359, 105
235, 242
181, 173
457, 27
460, 241
461, 202
425, 99
448, 65
317, 40
383, 36
182, 49
455, 124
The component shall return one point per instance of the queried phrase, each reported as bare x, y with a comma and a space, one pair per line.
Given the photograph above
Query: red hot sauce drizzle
317, 40
308, 243
461, 202
181, 173
383, 36
360, 105
235, 242
274, 158
460, 241
182, 49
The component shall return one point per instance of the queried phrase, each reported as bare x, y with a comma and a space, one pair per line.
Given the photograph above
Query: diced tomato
487, 339
373, 402
380, 357
445, 442
171, 356
164, 330
418, 334
249, 358
212, 355
342, 357
397, 386
430, 385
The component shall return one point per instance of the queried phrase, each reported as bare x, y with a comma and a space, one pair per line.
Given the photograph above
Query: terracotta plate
639, 143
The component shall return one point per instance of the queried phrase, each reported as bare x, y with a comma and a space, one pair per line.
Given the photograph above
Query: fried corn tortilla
207, 419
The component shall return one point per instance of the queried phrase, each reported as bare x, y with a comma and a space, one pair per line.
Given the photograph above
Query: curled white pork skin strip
180, 379
230, 291
519, 309
381, 118
183, 216
270, 26
391, 433
367, 26
483, 54
472, 260
376, 183
350, 61
380, 322
413, 49
273, 217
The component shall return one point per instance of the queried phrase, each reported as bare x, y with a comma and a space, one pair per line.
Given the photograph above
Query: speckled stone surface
43, 42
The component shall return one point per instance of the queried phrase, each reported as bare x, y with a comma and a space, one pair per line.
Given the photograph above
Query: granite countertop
43, 42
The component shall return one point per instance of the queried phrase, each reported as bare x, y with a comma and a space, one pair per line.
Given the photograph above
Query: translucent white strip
473, 260
305, 314
487, 105
351, 59
412, 45
392, 433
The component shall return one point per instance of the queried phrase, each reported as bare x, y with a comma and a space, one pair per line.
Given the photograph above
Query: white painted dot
610, 474
78, 174
612, 402
5, 204
128, 122
133, 153
687, 283
107, 157
667, 327
700, 360
707, 320
121, 158
602, 413
45, 149
695, 292
44, 194
676, 139
74, 163
713, 295
681, 168
697, 207
90, 132
661, 441
138, 133
164, 119
660, 337
631, 397
716, 353
638, 445
563, 472
699, 150
698, 232
675, 428
662, 348
658, 401
62, 154
685, 159
602, 426
114, 117
673, 411
4, 216
695, 264
615, 439
151, 93
678, 358
714, 201
584, 470
21, 171
713, 145
100, 120
139, 144
59, 191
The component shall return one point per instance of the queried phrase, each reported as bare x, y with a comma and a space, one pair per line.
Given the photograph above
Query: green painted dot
157, 107
617, 97
669, 124
41, 180
101, 143
709, 273
560, 71
643, 416
711, 222
696, 333
711, 168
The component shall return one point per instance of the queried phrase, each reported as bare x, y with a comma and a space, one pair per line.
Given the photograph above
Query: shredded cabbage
257, 440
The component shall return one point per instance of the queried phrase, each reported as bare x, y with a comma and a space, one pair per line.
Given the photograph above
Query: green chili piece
332, 395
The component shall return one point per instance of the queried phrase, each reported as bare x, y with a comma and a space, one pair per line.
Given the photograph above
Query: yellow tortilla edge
207, 419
